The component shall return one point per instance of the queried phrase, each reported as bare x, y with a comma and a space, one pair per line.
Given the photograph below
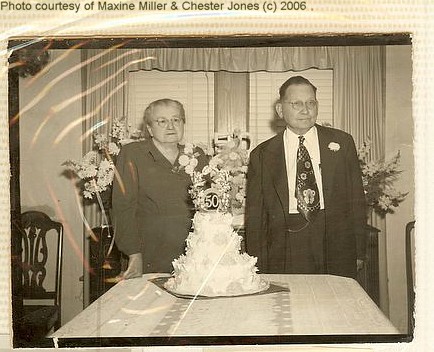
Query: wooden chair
42, 244
409, 259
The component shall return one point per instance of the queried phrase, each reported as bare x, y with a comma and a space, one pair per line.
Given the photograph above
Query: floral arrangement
378, 178
225, 174
233, 159
96, 169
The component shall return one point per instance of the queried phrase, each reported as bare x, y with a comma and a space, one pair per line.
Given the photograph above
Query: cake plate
272, 288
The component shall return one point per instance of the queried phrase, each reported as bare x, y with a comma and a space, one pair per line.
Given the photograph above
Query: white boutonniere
334, 147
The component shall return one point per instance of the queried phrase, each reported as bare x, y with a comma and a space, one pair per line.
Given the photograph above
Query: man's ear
278, 108
149, 130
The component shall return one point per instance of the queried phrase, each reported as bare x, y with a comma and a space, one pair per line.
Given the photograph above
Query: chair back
409, 258
42, 244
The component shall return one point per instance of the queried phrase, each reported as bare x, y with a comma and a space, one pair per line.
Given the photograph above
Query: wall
41, 184
399, 136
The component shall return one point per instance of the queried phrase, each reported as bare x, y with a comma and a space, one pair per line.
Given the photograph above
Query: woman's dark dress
152, 209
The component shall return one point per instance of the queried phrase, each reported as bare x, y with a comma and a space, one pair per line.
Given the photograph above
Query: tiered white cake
213, 264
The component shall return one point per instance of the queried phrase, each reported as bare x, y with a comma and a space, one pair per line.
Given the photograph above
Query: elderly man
305, 200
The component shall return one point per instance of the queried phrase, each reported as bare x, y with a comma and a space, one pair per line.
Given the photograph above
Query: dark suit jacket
152, 209
344, 203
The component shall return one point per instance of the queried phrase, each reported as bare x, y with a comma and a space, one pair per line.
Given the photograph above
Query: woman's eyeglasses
164, 123
299, 105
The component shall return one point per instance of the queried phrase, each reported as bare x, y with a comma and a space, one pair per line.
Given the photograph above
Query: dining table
293, 305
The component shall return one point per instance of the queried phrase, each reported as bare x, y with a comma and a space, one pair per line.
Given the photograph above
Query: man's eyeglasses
299, 105
176, 121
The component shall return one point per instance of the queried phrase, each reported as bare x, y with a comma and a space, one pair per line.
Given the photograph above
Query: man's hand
134, 269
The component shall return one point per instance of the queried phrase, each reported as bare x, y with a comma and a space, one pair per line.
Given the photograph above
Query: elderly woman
152, 210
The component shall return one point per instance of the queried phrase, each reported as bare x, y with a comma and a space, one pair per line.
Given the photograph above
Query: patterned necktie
306, 189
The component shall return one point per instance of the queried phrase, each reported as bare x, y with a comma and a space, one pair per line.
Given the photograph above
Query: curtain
358, 94
104, 92
358, 82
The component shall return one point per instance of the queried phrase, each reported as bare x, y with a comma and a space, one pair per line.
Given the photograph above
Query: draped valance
275, 59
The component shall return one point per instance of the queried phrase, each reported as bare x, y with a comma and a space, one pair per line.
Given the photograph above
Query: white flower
206, 170
189, 169
87, 194
233, 156
239, 179
106, 166
113, 148
87, 171
184, 160
119, 129
215, 161
334, 147
90, 157
239, 197
384, 202
90, 187
188, 148
193, 162
99, 139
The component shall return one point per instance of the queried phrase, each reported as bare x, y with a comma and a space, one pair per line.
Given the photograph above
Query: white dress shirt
290, 142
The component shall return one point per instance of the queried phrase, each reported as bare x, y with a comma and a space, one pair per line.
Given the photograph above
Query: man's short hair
295, 80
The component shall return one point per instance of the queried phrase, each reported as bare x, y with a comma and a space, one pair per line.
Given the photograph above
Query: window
195, 90
264, 92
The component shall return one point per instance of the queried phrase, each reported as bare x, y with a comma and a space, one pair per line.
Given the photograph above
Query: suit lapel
328, 160
275, 165
274, 161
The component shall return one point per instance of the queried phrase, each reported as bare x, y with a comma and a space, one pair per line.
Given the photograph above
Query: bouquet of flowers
97, 167
378, 178
225, 174
233, 159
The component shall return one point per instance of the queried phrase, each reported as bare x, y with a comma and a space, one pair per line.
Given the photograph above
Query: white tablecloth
314, 305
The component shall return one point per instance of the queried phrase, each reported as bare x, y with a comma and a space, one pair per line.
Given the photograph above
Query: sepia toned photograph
184, 191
